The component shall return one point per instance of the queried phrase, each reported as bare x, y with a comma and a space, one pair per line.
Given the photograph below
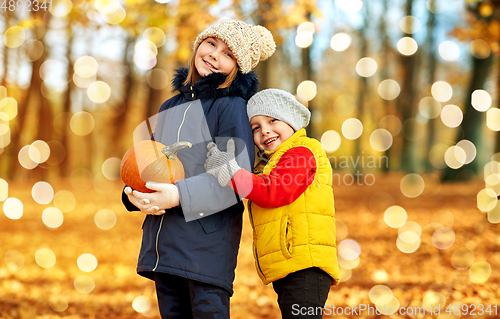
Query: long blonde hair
194, 76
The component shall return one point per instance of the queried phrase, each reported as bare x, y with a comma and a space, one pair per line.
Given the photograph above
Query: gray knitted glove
220, 164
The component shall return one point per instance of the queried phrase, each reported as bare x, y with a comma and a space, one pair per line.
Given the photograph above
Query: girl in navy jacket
192, 229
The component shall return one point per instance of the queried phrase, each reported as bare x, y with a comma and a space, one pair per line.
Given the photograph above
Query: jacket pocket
286, 237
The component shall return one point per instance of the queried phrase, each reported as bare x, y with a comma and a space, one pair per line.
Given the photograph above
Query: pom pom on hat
249, 44
280, 105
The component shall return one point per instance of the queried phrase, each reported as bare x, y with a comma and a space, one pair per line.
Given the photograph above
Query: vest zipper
162, 216
253, 227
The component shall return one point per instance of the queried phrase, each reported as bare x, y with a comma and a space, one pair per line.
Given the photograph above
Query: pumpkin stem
171, 150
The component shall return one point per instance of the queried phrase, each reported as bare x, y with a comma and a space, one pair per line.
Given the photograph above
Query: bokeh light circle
13, 208
449, 51
86, 66
486, 199
493, 119
87, 262
480, 49
42, 193
380, 291
429, 107
105, 219
99, 92
304, 39
389, 89
340, 42
349, 264
344, 105
9, 108
157, 79
481, 100
366, 67
409, 24
84, 284
381, 140
24, 158
45, 258
141, 304
4, 189
469, 149
307, 89
42, 150
433, 301
330, 140
455, 157
395, 216
58, 303
443, 238
349, 249
451, 115
65, 201
391, 123
111, 168
82, 123
407, 248
52, 217
407, 46
349, 6
462, 258
14, 37
479, 272
345, 274
441, 91
155, 35
412, 185
352, 128
410, 232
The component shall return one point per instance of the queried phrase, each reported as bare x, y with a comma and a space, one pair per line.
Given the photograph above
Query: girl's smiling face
213, 56
269, 133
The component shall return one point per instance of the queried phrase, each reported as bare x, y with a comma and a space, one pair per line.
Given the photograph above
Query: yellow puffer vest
299, 235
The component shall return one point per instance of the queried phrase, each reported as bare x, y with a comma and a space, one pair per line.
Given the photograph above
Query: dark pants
303, 294
189, 299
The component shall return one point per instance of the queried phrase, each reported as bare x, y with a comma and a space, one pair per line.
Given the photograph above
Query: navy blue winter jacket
200, 239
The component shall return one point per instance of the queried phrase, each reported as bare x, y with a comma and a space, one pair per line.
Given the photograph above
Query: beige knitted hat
281, 105
249, 44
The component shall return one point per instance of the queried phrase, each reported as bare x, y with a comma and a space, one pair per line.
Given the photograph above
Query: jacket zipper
158, 236
162, 216
253, 227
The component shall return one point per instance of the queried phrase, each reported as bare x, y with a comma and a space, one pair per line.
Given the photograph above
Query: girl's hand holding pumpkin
165, 196
143, 204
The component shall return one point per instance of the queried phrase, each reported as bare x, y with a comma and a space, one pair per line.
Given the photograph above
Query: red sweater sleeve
287, 181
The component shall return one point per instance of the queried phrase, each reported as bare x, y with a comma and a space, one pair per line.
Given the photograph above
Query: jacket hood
244, 85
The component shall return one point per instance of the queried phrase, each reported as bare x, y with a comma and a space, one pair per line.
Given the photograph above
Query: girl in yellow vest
290, 203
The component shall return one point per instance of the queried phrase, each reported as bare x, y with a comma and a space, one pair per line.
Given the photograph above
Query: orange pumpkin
151, 161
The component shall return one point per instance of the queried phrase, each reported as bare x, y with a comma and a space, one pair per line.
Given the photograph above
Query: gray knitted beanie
280, 105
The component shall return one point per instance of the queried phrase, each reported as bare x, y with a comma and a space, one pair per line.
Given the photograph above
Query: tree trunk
120, 120
64, 166
409, 156
384, 67
474, 120
7, 16
363, 85
431, 67
33, 93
